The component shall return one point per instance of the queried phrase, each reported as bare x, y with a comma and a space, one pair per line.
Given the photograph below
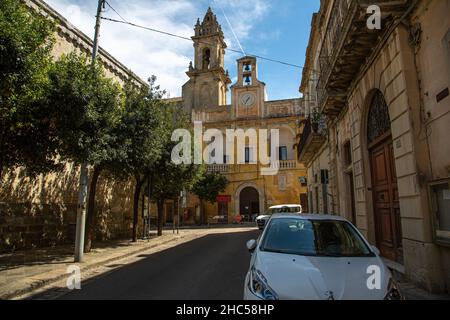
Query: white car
316, 257
261, 220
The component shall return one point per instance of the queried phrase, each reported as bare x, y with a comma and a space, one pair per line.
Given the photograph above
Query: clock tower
208, 81
248, 94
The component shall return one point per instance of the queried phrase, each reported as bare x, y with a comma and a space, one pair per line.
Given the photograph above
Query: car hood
295, 277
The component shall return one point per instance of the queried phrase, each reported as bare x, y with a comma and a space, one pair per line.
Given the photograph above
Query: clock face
248, 99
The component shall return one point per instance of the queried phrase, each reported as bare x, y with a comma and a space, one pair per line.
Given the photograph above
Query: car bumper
248, 295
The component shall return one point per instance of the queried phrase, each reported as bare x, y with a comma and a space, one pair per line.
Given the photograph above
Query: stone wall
41, 211
393, 73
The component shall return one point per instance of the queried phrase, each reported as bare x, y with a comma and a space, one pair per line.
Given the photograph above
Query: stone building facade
205, 97
41, 211
385, 96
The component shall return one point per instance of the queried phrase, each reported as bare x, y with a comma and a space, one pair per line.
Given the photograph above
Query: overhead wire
124, 21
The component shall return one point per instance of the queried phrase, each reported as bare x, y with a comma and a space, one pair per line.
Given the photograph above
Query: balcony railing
312, 138
220, 168
346, 45
246, 168
285, 165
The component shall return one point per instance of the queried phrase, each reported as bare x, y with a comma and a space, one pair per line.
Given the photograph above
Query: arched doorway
386, 204
249, 203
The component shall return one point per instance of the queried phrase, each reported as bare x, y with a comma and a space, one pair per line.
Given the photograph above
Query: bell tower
208, 81
248, 93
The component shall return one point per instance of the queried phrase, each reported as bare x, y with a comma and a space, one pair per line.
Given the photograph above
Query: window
283, 153
249, 155
206, 59
379, 122
440, 206
347, 154
317, 238
324, 177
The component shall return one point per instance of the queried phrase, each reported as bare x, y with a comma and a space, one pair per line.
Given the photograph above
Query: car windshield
273, 211
327, 238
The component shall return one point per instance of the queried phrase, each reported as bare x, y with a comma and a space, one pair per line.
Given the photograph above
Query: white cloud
148, 53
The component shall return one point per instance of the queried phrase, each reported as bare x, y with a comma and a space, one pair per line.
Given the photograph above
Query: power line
115, 11
123, 21
231, 28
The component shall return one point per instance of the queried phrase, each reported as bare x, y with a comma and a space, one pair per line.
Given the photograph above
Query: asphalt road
210, 268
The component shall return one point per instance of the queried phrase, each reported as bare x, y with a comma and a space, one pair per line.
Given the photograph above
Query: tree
26, 126
86, 116
207, 188
168, 179
142, 134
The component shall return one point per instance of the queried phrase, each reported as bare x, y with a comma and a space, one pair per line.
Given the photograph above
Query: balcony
285, 165
220, 168
251, 167
347, 45
311, 141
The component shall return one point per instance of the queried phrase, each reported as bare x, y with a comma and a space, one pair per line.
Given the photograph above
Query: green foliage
167, 178
141, 131
209, 186
86, 108
26, 129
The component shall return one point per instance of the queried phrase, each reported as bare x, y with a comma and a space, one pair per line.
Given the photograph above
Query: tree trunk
160, 204
137, 194
91, 217
1, 161
202, 212
1, 171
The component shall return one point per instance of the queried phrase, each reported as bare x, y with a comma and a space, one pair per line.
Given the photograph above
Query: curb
38, 284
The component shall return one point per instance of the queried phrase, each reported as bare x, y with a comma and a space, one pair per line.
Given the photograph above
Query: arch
383, 205
378, 119
241, 188
206, 59
366, 99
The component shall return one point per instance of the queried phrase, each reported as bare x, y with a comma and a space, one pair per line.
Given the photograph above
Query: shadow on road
209, 268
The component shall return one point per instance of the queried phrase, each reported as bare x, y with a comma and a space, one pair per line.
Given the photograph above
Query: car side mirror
251, 245
376, 250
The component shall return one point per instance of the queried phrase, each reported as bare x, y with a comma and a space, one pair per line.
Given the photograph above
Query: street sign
223, 199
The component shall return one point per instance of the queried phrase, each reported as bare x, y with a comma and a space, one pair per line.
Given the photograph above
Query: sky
277, 29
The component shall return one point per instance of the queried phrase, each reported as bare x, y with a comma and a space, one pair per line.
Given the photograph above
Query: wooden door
304, 202
386, 201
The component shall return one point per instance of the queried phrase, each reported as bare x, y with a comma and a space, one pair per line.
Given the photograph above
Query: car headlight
259, 287
394, 292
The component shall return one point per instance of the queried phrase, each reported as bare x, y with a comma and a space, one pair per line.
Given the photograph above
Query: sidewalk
26, 273
411, 292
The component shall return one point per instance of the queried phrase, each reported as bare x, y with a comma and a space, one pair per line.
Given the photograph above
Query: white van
283, 209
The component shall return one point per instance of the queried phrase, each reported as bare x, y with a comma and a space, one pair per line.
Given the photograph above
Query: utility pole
83, 188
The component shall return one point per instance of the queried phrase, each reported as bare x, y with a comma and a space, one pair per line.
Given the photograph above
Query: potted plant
315, 121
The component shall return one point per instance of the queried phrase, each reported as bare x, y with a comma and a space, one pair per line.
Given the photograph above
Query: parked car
313, 257
261, 220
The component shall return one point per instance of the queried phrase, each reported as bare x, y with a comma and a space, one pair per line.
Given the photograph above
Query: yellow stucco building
205, 97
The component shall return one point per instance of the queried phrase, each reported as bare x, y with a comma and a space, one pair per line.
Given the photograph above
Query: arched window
206, 59
379, 122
